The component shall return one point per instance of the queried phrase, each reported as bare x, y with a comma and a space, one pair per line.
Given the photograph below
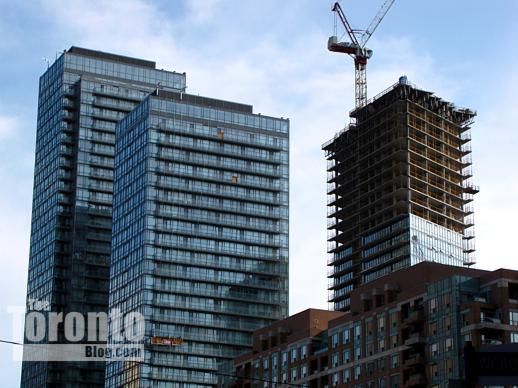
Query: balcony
122, 94
491, 341
468, 234
489, 326
465, 148
119, 106
67, 116
416, 359
465, 136
489, 319
471, 188
69, 104
415, 339
414, 317
415, 380
489, 322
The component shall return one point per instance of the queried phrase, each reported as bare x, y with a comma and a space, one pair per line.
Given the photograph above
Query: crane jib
356, 49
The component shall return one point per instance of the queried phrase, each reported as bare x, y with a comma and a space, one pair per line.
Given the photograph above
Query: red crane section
357, 50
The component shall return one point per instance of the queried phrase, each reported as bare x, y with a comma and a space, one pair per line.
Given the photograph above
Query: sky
271, 54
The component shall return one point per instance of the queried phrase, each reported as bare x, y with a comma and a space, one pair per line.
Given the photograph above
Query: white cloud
494, 156
16, 164
200, 11
8, 126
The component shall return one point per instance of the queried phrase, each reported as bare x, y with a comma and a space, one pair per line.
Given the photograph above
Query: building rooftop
205, 101
405, 283
307, 323
403, 89
111, 57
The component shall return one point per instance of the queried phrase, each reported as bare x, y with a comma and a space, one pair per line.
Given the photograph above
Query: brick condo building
406, 329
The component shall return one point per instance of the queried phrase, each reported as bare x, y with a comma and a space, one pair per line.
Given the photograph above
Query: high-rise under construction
399, 189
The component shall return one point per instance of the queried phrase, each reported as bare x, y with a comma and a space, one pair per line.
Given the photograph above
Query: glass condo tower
200, 233
81, 98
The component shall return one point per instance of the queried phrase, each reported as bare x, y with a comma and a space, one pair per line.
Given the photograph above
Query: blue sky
272, 54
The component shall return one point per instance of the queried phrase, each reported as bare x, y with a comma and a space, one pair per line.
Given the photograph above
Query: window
284, 358
447, 323
369, 325
434, 349
358, 330
346, 356
284, 377
304, 370
449, 366
433, 328
265, 363
335, 360
369, 348
293, 354
347, 336
394, 361
446, 300
394, 381
357, 352
381, 345
357, 372
304, 352
369, 368
448, 344
381, 383
434, 371
334, 340
346, 375
513, 317
514, 338
293, 374
393, 341
433, 305
381, 323
393, 319
335, 379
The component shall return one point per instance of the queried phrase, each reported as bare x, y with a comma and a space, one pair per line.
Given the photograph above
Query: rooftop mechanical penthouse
399, 189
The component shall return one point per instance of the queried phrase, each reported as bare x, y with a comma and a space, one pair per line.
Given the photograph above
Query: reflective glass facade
200, 239
81, 98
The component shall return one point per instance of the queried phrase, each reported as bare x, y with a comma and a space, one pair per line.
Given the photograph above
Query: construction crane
356, 47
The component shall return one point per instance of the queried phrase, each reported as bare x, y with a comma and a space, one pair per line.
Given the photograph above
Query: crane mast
356, 48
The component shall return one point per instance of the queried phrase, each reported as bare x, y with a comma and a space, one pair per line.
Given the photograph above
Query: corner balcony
416, 380
414, 317
414, 360
415, 339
